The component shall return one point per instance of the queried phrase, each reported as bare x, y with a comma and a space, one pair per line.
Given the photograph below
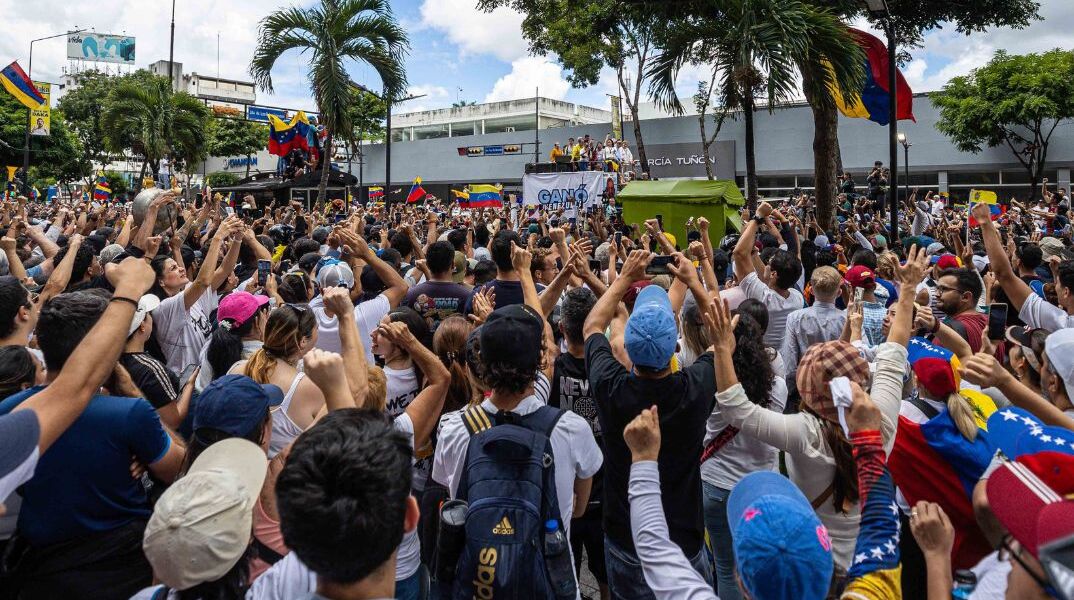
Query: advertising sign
569, 191
688, 159
101, 47
261, 113
617, 118
40, 120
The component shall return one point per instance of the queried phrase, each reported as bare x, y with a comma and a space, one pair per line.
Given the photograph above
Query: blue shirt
83, 483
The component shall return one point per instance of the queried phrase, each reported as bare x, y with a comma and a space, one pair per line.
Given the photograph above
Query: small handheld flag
102, 191
416, 192
17, 84
991, 199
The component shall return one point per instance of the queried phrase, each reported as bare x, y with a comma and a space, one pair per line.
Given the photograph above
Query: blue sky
454, 45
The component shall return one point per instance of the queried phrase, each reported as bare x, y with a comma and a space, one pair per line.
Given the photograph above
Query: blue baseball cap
651, 333
235, 404
782, 550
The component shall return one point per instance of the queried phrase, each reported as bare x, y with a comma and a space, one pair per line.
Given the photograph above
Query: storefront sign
688, 159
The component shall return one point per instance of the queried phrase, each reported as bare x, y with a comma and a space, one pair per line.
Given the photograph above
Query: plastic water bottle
965, 583
557, 559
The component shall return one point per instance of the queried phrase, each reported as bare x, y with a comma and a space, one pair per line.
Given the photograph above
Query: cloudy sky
458, 52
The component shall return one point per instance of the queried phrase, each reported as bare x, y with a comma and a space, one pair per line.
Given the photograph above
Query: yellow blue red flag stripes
19, 85
285, 136
481, 196
102, 191
416, 191
874, 101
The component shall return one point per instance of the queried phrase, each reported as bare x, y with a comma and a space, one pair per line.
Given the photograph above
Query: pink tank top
267, 531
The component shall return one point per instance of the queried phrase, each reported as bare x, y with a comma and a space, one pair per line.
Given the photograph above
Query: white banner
569, 191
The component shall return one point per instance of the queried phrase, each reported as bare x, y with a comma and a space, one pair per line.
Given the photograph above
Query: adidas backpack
509, 482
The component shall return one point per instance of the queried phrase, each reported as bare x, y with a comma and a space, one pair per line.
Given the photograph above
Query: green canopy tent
678, 200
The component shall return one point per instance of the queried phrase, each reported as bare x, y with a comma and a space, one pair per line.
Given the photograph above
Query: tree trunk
705, 146
247, 166
826, 158
639, 140
751, 156
141, 176
326, 168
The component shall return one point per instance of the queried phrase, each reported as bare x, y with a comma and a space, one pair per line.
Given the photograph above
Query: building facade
509, 116
784, 151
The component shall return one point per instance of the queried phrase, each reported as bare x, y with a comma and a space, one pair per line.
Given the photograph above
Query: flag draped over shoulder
283, 137
19, 85
480, 196
416, 191
932, 461
873, 102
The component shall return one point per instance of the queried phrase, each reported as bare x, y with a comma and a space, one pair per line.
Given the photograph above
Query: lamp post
906, 161
171, 51
880, 11
30, 75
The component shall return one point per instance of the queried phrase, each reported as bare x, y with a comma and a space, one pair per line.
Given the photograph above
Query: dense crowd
590, 154
417, 401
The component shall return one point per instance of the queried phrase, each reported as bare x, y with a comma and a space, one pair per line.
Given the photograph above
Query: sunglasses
298, 308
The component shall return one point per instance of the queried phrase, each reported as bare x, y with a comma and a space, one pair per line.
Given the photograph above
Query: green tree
754, 48
587, 36
221, 179
331, 32
230, 137
83, 105
1013, 101
117, 182
150, 120
463, 104
367, 112
56, 156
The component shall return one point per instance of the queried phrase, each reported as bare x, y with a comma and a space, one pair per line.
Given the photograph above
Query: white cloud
528, 75
497, 33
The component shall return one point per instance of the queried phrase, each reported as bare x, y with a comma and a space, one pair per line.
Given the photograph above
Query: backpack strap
268, 555
545, 419
927, 409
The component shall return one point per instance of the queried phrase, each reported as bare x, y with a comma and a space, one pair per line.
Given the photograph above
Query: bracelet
133, 303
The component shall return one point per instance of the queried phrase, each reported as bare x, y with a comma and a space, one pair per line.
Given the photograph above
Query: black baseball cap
512, 334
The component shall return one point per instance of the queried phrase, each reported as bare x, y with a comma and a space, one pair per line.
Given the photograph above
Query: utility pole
171, 51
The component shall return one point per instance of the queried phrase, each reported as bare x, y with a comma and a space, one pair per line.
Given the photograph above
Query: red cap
947, 261
936, 377
1031, 511
632, 292
861, 276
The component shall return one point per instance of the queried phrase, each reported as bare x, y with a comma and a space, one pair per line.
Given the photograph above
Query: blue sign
241, 161
493, 150
261, 113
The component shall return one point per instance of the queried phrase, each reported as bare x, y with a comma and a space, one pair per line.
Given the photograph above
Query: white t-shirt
779, 308
182, 333
367, 314
574, 448
402, 387
744, 454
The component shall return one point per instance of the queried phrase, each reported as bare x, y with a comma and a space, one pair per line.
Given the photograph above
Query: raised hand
325, 369
913, 271
521, 258
864, 414
634, 267
721, 326
337, 301
642, 435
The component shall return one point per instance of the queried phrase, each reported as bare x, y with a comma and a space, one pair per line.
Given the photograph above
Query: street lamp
30, 75
879, 10
906, 160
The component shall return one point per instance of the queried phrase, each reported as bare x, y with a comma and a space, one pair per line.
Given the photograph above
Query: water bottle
557, 559
965, 583
450, 539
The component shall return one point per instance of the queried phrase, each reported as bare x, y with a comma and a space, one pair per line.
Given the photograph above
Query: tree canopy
1013, 101
236, 137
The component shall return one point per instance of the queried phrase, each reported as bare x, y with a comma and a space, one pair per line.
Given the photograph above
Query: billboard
101, 47
40, 118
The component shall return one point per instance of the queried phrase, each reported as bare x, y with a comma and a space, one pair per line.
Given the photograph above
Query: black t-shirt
157, 382
684, 400
1000, 297
571, 391
437, 300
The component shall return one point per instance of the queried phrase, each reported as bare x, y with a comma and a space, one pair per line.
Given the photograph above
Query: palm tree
756, 47
150, 119
331, 32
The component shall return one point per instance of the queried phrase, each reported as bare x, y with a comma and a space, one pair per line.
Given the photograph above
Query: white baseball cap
202, 524
146, 304
1059, 348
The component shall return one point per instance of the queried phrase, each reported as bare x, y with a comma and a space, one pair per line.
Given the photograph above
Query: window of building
978, 178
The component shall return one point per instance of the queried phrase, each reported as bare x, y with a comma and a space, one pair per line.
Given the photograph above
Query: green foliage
117, 182
221, 179
367, 114
83, 106
236, 137
58, 156
1013, 101
147, 118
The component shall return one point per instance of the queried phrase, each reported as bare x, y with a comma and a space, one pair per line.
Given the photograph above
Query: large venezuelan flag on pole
19, 85
874, 101
283, 137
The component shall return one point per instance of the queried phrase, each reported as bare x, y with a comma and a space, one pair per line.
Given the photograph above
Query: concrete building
509, 116
784, 150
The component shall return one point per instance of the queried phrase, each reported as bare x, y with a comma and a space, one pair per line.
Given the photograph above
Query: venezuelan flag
102, 191
483, 196
376, 193
873, 102
283, 137
19, 85
416, 192
932, 461
996, 209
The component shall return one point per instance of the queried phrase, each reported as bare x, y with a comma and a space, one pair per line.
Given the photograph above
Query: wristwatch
758, 219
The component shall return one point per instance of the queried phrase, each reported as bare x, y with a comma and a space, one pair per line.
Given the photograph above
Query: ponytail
224, 349
845, 483
260, 367
962, 414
